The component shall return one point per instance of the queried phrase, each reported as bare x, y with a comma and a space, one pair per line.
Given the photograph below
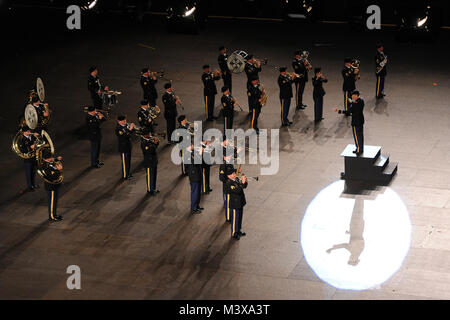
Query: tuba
41, 171
41, 142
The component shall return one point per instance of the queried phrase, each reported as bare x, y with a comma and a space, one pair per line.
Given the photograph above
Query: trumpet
259, 62
294, 75
216, 73
239, 174
159, 74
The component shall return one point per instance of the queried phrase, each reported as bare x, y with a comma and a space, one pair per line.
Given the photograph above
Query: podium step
382, 162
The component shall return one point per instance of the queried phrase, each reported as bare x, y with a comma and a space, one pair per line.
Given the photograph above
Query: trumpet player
144, 116
123, 133
149, 145
95, 88
255, 95
380, 71
226, 73
183, 124
27, 144
93, 121
234, 187
170, 110
227, 165
206, 168
285, 84
318, 93
300, 66
148, 81
252, 68
195, 177
228, 104
52, 171
349, 75
209, 91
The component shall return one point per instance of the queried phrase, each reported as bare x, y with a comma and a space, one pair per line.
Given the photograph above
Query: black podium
369, 167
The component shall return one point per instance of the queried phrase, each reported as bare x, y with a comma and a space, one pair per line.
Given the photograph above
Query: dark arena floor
132, 246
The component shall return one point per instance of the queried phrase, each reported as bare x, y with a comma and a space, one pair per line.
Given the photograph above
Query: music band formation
33, 143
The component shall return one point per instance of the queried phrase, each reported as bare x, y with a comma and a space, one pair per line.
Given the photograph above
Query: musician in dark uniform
93, 121
255, 94
285, 84
27, 144
300, 68
170, 110
235, 188
182, 121
318, 93
209, 91
349, 75
52, 172
226, 73
380, 71
41, 112
206, 168
144, 116
148, 86
149, 146
227, 165
123, 133
95, 88
195, 177
252, 69
228, 105
356, 108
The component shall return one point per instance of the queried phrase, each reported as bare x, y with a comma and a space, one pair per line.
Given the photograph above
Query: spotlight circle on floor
355, 241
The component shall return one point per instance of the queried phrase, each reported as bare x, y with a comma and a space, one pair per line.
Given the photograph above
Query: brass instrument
105, 113
355, 66
159, 74
264, 96
41, 142
178, 98
41, 171
192, 127
239, 174
154, 112
259, 62
294, 75
216, 73
236, 103
382, 63
305, 58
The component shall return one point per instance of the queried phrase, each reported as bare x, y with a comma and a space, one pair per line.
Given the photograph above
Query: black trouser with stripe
380, 87
299, 89
171, 124
318, 108
195, 195
183, 165
227, 80
227, 123
226, 202
347, 95
285, 104
30, 172
125, 163
236, 220
52, 197
358, 136
151, 178
255, 115
209, 106
95, 151
205, 178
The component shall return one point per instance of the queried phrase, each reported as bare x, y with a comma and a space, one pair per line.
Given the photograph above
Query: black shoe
30, 189
59, 218
210, 119
196, 211
242, 234
290, 122
209, 190
214, 117
304, 106
52, 220
100, 163
227, 221
36, 186
156, 191
127, 178
200, 208
96, 166
355, 151
236, 236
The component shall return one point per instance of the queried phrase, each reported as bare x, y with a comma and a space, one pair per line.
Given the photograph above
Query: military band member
52, 171
149, 145
148, 82
228, 104
41, 112
206, 168
95, 88
255, 94
224, 167
318, 94
183, 124
285, 84
27, 144
226, 73
123, 133
300, 67
209, 91
170, 110
252, 68
356, 108
93, 121
235, 188
195, 177
349, 75
144, 116
380, 71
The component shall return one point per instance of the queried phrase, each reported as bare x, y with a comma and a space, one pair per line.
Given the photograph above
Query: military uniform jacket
170, 106
300, 68
148, 85
285, 84
378, 58
25, 143
149, 151
208, 81
51, 173
143, 116
123, 135
227, 105
318, 87
94, 85
356, 110
349, 79
236, 192
222, 60
251, 70
254, 92
93, 126
194, 169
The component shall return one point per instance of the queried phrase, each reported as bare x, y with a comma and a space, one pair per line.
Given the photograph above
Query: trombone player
255, 98
149, 145
27, 144
52, 172
234, 187
93, 121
